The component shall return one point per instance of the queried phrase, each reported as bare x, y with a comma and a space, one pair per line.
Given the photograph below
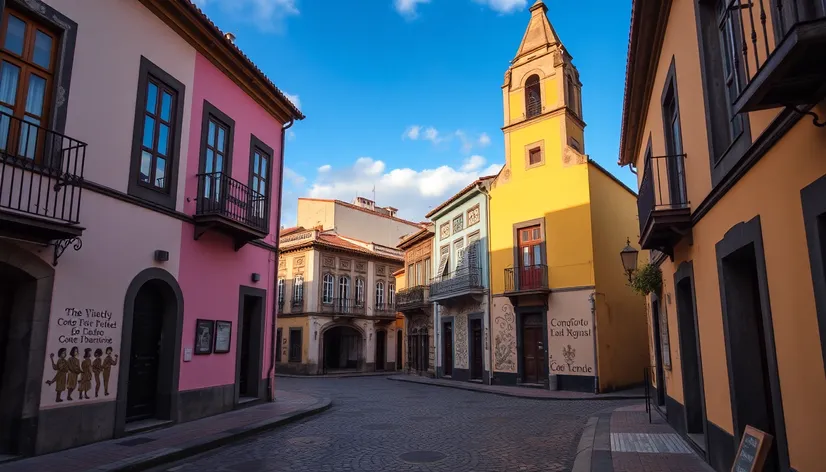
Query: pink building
140, 184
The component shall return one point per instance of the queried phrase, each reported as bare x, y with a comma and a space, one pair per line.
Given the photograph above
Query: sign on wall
82, 355
571, 345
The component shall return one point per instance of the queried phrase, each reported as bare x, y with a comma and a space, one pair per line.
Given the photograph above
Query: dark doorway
249, 355
752, 367
342, 348
424, 350
13, 347
381, 349
533, 370
690, 358
278, 342
145, 354
659, 372
399, 339
476, 350
447, 348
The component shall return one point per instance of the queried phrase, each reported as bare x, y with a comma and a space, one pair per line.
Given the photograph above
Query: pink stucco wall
210, 270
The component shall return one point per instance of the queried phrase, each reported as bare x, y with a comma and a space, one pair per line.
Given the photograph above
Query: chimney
230, 37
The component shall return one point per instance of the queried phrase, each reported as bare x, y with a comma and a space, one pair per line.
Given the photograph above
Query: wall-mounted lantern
161, 256
256, 276
629, 259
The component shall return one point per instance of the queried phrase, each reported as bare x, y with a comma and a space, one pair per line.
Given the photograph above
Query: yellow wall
285, 324
622, 343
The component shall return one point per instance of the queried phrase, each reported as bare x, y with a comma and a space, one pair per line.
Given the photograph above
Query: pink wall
210, 270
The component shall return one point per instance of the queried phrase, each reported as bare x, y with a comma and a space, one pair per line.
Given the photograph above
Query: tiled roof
290, 230
365, 210
333, 240
219, 36
458, 194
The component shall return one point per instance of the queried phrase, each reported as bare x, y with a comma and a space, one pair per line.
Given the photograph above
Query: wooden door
399, 350
447, 338
533, 370
530, 258
144, 362
381, 349
476, 365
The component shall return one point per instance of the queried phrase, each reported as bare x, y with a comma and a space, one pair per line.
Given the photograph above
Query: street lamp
629, 259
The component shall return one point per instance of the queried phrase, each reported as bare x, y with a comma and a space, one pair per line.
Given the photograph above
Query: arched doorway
150, 350
381, 349
342, 348
399, 339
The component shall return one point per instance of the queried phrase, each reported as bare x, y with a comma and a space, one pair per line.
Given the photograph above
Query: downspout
593, 299
273, 347
490, 288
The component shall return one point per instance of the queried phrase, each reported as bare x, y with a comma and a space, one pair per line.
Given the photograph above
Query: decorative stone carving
504, 345
298, 261
444, 231
458, 223
361, 266
328, 261
570, 157
460, 335
380, 269
344, 264
282, 264
474, 215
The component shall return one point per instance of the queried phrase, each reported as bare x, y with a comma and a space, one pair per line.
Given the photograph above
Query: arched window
573, 96
533, 97
343, 287
328, 289
298, 289
391, 293
280, 292
359, 292
379, 294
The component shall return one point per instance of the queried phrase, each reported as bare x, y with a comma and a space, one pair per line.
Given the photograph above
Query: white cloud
412, 132
484, 140
416, 132
293, 98
293, 177
290, 134
408, 8
468, 143
325, 168
267, 15
504, 6
413, 192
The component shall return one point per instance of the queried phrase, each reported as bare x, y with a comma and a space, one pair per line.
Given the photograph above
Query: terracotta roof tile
458, 194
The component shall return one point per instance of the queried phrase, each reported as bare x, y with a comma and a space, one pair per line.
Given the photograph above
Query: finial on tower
539, 4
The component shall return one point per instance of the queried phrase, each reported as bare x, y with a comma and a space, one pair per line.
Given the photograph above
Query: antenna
374, 193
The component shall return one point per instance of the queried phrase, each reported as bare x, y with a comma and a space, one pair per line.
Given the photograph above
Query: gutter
484, 191
273, 347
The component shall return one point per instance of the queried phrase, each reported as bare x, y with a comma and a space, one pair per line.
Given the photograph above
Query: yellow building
562, 312
732, 178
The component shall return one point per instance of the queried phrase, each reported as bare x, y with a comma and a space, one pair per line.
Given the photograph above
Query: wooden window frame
290, 356
258, 145
670, 108
164, 197
517, 256
212, 113
323, 288
530, 147
379, 293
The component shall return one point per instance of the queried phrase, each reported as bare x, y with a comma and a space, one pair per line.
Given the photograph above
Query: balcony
230, 207
784, 62
465, 282
41, 176
385, 311
526, 281
664, 210
343, 307
413, 298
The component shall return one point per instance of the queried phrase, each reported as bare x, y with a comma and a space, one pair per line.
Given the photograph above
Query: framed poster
204, 332
223, 335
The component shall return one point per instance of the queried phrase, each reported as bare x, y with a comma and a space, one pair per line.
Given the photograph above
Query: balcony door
27, 61
215, 164
674, 142
530, 260
259, 186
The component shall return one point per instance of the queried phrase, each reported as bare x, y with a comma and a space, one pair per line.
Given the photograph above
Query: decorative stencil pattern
473, 216
444, 231
458, 223
380, 269
298, 262
504, 341
282, 264
361, 266
344, 264
460, 339
329, 261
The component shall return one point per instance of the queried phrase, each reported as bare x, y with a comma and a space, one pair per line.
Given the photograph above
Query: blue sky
406, 94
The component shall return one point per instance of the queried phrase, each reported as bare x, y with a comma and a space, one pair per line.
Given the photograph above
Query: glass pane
42, 49
14, 35
152, 98
5, 122
208, 160
36, 94
537, 254
160, 172
255, 183
536, 233
211, 134
221, 139
255, 158
9, 76
163, 140
219, 163
262, 187
526, 256
28, 137
166, 106
148, 132
146, 166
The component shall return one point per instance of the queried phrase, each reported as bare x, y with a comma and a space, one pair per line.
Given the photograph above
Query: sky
404, 96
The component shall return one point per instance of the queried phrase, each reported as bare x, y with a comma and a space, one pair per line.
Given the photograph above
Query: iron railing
219, 194
663, 186
412, 297
385, 309
534, 108
41, 170
525, 278
342, 306
456, 282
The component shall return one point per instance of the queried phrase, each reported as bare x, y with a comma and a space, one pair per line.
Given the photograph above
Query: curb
337, 376
198, 446
582, 461
459, 385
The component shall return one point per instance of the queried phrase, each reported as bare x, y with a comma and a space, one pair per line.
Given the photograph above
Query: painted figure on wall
97, 368
108, 362
85, 374
74, 372
61, 368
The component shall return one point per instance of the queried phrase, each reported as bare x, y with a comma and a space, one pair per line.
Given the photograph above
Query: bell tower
542, 99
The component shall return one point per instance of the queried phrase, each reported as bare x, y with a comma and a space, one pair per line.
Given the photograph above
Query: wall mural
504, 335
571, 344
460, 338
83, 347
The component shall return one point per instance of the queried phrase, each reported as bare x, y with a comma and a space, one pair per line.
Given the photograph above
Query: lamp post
629, 259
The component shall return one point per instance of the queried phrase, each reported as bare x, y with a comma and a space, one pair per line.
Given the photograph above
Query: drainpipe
593, 299
490, 297
273, 347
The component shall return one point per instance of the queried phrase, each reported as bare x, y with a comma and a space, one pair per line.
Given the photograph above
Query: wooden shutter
444, 258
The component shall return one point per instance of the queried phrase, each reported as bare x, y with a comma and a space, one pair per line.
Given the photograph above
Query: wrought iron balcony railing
41, 171
526, 278
457, 282
663, 187
342, 306
412, 297
221, 195
385, 309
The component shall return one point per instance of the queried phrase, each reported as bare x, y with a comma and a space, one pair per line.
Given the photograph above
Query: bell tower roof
539, 35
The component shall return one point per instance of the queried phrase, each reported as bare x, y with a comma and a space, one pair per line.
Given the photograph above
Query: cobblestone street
380, 425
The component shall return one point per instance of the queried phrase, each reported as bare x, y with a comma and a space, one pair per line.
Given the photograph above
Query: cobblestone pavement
377, 425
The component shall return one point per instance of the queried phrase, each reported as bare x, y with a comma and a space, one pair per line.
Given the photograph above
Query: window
379, 293
419, 274
444, 260
280, 292
216, 151
343, 288
410, 276
459, 252
295, 344
533, 97
298, 288
156, 137
473, 244
391, 293
534, 156
259, 178
576, 146
458, 223
359, 292
678, 195
328, 290
530, 246
427, 271
27, 67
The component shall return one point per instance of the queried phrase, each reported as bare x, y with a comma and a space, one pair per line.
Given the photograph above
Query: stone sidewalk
522, 392
157, 447
623, 440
